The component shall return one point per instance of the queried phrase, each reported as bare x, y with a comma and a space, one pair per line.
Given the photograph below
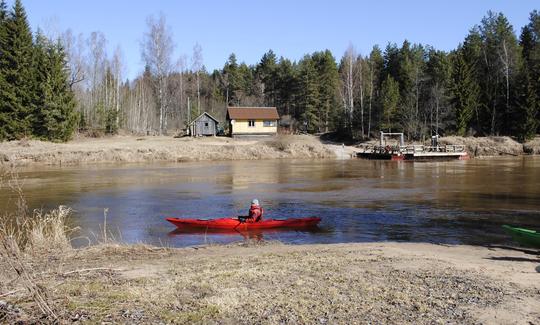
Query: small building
204, 125
252, 121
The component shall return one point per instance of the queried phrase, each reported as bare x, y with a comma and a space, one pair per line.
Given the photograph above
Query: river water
358, 200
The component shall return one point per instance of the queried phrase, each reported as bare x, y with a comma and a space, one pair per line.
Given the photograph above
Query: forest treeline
488, 85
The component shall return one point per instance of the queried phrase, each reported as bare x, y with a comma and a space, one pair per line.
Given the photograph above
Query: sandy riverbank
167, 149
271, 283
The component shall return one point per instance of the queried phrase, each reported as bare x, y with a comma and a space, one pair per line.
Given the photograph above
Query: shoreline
384, 282
147, 149
132, 149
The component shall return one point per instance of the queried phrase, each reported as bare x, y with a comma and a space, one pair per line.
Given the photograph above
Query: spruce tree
526, 107
309, 96
5, 117
530, 43
389, 102
56, 113
465, 92
327, 84
17, 70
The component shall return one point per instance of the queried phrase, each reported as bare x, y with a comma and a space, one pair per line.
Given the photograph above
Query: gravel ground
271, 283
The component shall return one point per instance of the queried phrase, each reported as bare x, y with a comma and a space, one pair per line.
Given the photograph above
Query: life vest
255, 213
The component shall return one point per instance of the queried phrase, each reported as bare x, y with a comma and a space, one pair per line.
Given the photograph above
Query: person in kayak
255, 212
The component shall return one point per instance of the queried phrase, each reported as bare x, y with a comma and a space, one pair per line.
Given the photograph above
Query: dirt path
383, 283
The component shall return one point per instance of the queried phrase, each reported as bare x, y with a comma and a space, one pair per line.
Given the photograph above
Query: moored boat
235, 223
525, 237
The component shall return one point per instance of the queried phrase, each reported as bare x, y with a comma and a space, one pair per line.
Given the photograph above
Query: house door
207, 128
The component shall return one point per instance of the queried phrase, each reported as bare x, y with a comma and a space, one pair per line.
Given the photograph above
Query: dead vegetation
532, 146
44, 280
486, 146
151, 149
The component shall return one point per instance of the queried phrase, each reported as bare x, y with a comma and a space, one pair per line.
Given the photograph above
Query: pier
400, 151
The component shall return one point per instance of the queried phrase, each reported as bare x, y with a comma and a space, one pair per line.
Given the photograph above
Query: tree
530, 44
157, 48
375, 66
327, 81
349, 75
465, 92
309, 101
16, 68
5, 116
266, 72
56, 115
196, 66
526, 107
438, 75
389, 99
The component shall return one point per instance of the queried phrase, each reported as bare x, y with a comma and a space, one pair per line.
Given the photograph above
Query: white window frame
269, 123
251, 123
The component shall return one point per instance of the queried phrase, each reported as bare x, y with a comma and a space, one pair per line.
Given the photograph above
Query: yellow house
252, 121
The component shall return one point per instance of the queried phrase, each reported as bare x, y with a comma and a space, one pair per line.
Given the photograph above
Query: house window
269, 123
251, 123
206, 124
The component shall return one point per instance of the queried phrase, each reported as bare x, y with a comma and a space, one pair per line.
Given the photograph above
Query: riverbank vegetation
488, 85
271, 283
131, 149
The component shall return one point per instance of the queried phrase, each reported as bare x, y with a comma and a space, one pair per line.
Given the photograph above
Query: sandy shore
271, 283
152, 149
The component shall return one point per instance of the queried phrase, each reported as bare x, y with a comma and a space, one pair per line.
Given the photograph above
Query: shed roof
246, 113
205, 113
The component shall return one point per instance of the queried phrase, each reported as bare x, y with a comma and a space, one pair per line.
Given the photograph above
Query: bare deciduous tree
196, 65
156, 50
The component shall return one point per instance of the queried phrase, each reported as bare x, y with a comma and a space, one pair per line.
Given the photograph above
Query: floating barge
412, 152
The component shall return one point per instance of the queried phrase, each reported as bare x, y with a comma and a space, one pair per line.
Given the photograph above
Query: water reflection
359, 200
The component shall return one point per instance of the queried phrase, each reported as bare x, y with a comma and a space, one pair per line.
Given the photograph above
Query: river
358, 200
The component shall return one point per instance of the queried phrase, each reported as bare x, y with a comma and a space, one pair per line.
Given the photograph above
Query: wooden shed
204, 125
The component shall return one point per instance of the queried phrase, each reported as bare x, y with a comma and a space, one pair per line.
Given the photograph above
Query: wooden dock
413, 152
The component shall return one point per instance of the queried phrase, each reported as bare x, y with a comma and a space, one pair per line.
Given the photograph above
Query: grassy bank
43, 279
273, 283
154, 149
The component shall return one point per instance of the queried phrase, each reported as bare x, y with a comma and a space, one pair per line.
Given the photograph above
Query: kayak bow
525, 237
234, 223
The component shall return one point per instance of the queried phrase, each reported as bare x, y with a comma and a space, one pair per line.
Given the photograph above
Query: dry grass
150, 149
276, 284
486, 146
532, 146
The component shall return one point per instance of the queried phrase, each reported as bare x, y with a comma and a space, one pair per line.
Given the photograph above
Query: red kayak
234, 223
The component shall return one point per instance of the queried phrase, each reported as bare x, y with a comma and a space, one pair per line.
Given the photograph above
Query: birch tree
196, 66
156, 52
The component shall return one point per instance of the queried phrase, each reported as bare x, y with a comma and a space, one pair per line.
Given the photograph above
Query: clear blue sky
291, 28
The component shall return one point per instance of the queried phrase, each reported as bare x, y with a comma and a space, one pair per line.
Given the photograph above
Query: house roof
247, 113
205, 113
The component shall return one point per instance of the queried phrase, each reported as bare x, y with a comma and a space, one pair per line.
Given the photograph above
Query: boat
237, 224
525, 237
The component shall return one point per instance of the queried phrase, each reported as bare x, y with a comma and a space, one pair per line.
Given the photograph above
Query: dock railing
410, 149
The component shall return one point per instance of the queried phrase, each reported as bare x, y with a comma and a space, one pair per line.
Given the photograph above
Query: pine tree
465, 92
17, 70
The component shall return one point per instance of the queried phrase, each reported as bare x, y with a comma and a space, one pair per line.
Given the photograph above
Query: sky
249, 28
